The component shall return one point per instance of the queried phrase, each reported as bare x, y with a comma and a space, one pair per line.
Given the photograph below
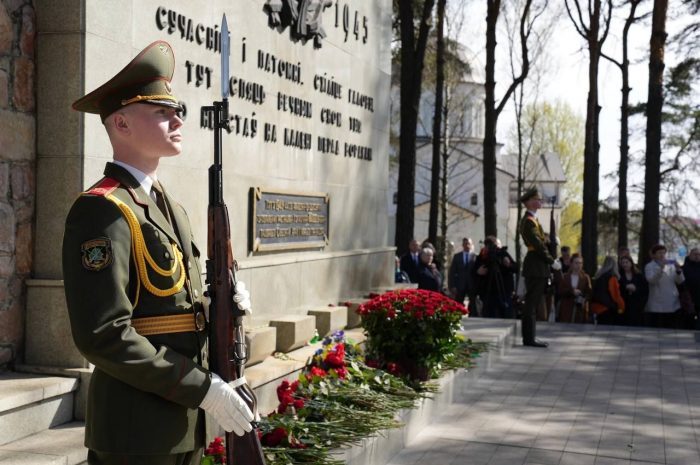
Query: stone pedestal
293, 331
260, 342
329, 319
353, 317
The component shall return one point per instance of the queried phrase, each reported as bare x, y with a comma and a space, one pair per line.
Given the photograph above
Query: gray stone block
329, 319
261, 342
352, 305
293, 331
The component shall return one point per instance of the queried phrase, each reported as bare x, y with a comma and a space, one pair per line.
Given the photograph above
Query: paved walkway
598, 396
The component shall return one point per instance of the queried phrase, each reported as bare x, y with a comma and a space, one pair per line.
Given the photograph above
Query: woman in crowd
634, 290
663, 308
574, 292
607, 303
429, 277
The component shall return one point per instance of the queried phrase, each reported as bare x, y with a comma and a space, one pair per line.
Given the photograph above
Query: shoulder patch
103, 188
97, 253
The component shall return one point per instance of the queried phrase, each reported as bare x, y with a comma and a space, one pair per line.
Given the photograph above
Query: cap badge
168, 87
163, 48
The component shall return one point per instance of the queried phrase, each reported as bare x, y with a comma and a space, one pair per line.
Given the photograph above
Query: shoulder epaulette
103, 188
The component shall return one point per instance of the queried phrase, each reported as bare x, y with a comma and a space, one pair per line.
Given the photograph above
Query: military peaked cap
531, 193
146, 79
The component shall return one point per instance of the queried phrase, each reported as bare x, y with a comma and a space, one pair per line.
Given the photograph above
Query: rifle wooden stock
227, 351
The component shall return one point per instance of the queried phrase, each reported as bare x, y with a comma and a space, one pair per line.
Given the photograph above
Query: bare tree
594, 32
412, 59
536, 52
493, 110
624, 65
437, 128
655, 101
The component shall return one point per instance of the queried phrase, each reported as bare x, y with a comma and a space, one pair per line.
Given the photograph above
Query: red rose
393, 368
342, 372
274, 437
336, 358
298, 404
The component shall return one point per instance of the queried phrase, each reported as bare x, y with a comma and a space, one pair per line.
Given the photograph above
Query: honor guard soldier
536, 265
134, 289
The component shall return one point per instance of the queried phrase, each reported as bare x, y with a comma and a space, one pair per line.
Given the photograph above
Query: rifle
227, 348
553, 231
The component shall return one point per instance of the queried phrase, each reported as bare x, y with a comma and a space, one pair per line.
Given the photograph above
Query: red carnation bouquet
411, 331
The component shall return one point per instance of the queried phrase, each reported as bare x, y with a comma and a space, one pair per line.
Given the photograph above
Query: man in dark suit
536, 265
461, 276
410, 261
134, 289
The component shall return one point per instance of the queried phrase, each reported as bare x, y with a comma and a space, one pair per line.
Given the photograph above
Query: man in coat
410, 261
460, 278
133, 286
536, 265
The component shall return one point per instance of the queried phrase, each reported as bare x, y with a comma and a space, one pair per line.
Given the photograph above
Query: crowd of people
664, 293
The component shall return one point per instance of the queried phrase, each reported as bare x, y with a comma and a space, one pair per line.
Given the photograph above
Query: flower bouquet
410, 332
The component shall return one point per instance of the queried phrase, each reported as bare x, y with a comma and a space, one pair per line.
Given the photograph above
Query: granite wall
17, 169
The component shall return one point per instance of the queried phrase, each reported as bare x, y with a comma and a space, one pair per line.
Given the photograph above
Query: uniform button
196, 293
189, 264
166, 254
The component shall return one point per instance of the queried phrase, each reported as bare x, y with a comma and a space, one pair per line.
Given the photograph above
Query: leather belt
167, 324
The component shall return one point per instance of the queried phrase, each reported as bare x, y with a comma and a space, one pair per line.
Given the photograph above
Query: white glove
228, 409
242, 298
556, 266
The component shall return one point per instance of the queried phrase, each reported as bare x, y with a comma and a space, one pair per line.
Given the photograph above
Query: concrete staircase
36, 420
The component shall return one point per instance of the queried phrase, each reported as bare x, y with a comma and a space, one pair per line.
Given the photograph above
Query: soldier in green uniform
536, 265
133, 286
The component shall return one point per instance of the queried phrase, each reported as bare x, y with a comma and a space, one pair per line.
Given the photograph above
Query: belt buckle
200, 321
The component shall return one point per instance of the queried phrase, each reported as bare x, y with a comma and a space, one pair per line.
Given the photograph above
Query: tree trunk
412, 56
623, 209
490, 120
652, 166
624, 151
437, 123
589, 221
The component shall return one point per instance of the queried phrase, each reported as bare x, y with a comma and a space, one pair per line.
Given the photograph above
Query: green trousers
534, 291
187, 458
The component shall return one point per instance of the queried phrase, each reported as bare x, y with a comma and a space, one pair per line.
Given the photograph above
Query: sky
566, 78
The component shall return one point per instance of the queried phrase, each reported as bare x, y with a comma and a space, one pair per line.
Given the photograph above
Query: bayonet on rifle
227, 349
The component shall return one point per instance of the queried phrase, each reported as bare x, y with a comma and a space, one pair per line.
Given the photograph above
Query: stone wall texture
17, 169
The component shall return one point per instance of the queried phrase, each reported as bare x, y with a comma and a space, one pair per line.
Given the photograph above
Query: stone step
62, 445
32, 403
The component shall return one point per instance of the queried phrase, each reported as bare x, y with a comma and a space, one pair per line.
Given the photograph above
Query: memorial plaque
289, 220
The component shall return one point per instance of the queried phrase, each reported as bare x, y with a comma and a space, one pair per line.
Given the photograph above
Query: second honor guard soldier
133, 286
536, 265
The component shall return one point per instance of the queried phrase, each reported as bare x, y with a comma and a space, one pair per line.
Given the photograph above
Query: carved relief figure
304, 17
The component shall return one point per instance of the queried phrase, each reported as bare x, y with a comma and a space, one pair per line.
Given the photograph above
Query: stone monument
306, 162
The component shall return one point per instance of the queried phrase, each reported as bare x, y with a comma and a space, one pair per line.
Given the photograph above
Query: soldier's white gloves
224, 404
556, 266
242, 298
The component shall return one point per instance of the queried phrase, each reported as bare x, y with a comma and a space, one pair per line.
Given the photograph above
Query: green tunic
145, 391
538, 259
